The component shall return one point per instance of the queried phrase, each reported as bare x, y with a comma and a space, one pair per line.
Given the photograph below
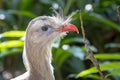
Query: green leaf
106, 56
4, 24
8, 20
13, 34
104, 67
60, 56
114, 72
95, 77
23, 13
74, 65
99, 18
27, 4
11, 44
10, 52
73, 40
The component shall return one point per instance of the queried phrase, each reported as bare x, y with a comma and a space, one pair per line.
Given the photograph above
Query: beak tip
77, 31
71, 27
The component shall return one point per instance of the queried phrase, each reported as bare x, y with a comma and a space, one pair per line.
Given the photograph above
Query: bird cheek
34, 38
49, 32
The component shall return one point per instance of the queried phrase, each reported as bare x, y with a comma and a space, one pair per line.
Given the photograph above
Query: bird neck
39, 62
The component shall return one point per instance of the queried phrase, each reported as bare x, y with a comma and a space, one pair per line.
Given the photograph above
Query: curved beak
69, 28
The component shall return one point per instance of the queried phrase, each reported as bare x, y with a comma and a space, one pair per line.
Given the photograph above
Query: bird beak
69, 28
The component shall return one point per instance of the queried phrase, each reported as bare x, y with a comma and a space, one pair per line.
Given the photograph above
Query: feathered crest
60, 15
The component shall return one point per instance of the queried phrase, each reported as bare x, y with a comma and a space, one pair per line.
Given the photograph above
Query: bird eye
45, 28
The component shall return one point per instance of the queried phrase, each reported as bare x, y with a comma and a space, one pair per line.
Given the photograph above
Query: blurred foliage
70, 59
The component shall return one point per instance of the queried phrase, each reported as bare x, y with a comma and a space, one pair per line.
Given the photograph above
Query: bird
40, 34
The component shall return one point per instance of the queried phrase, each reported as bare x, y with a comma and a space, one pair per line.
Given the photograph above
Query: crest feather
60, 16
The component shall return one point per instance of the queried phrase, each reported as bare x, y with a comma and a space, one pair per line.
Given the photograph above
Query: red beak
69, 28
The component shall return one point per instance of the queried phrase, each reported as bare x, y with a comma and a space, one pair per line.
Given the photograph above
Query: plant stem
90, 53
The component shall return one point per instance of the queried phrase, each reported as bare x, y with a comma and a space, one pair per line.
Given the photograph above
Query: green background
70, 60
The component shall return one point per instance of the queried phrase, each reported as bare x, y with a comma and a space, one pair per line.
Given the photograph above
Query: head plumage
60, 16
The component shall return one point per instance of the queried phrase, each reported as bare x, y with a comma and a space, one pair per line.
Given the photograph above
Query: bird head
45, 29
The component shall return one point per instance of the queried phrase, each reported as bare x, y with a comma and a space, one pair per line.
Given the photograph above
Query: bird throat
38, 61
